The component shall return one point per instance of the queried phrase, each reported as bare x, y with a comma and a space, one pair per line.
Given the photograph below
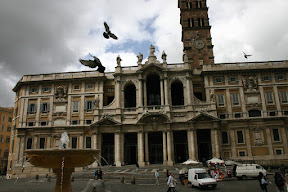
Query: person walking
263, 182
137, 167
167, 175
100, 174
279, 182
96, 174
157, 177
171, 183
282, 170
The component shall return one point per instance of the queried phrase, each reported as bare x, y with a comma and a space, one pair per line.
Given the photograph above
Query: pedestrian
95, 174
279, 182
137, 167
171, 183
157, 177
1, 173
282, 170
167, 175
100, 173
263, 182
286, 181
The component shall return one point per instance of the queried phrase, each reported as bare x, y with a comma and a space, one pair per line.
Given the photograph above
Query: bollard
133, 180
122, 179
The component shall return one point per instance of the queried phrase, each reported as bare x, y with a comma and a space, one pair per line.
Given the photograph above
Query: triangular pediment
204, 117
106, 121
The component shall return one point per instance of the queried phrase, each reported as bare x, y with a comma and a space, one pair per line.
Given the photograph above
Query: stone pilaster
170, 161
264, 108
233, 145
35, 142
146, 149
22, 148
248, 142
38, 112
48, 146
81, 141
228, 103
140, 149
192, 145
166, 91
284, 137
277, 100
162, 92
164, 148
269, 142
117, 148
17, 149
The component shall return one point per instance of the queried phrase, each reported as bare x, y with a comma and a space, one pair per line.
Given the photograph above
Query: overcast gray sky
50, 36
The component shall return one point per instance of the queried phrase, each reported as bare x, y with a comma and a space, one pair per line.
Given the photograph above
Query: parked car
249, 170
199, 178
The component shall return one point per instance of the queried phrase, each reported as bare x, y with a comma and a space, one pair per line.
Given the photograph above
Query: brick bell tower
196, 36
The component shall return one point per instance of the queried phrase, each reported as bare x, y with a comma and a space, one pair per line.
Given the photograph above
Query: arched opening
130, 96
254, 113
177, 95
153, 90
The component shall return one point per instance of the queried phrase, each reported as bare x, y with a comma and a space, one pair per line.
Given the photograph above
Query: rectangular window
222, 116
278, 151
237, 115
3, 118
199, 4
233, 79
46, 89
30, 124
33, 90
235, 98
42, 143
283, 96
276, 136
44, 107
111, 90
75, 106
76, 87
218, 80
75, 122
29, 143
1, 139
88, 121
191, 22
43, 123
14, 127
225, 137
266, 78
88, 105
8, 128
7, 139
88, 142
240, 138
74, 142
32, 108
10, 119
221, 100
280, 77
269, 97
90, 86
242, 153
2, 128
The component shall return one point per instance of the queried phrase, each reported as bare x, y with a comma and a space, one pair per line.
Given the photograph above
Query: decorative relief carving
250, 83
258, 136
60, 93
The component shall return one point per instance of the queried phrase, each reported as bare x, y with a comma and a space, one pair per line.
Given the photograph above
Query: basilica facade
156, 112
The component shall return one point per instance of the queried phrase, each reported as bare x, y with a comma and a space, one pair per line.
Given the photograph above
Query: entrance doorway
130, 148
155, 147
204, 144
180, 146
107, 149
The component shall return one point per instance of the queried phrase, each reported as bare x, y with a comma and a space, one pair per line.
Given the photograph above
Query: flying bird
93, 63
246, 56
108, 33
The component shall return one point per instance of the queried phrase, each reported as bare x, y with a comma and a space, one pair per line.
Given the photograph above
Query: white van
249, 170
199, 178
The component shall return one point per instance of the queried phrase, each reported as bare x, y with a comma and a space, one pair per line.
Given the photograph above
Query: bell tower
196, 36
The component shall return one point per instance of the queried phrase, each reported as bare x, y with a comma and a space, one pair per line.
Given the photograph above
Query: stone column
263, 102
48, 146
51, 107
101, 84
164, 148
190, 147
213, 142
69, 110
38, 112
140, 149
118, 93
25, 113
94, 141
17, 149
82, 110
81, 141
217, 144
277, 101
162, 92
206, 84
233, 145
249, 148
146, 149
243, 104
117, 148
166, 91
170, 161
269, 142
145, 93
228, 103
140, 93
122, 139
35, 140
188, 89
21, 113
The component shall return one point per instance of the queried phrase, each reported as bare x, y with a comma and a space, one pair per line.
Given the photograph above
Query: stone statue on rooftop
152, 50
164, 56
140, 57
119, 60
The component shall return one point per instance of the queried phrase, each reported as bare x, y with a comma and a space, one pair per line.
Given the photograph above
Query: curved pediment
154, 117
106, 121
151, 67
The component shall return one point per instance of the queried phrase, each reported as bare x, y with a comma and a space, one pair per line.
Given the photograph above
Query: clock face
198, 44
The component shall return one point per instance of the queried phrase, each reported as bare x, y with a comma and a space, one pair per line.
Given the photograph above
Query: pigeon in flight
108, 33
246, 56
93, 63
